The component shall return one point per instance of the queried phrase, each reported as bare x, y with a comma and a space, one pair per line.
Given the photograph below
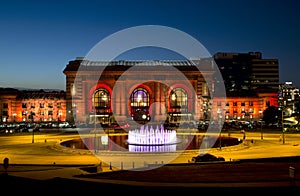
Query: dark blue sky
38, 38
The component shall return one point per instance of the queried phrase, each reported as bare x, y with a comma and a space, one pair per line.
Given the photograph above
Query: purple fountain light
149, 136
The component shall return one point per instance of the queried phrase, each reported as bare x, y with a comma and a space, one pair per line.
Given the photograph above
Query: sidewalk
52, 162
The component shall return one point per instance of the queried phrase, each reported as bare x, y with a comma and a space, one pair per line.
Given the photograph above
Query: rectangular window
50, 113
41, 105
5, 105
50, 105
24, 105
5, 113
204, 89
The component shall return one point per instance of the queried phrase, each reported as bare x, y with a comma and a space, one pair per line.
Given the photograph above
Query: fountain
148, 136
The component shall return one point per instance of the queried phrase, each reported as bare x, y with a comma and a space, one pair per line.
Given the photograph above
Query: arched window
139, 98
178, 98
140, 105
101, 98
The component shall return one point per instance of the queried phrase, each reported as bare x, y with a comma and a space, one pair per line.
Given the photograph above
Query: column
123, 100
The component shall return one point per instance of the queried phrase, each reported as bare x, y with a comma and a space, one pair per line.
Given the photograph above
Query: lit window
140, 98
178, 98
101, 98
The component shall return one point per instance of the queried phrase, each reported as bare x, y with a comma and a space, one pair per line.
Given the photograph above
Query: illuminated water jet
149, 136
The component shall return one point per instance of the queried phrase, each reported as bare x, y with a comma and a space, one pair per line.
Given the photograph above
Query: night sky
38, 38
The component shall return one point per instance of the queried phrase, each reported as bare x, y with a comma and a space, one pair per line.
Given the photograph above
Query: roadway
45, 159
46, 149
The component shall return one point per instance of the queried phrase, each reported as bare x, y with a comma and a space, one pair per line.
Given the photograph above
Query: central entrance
139, 103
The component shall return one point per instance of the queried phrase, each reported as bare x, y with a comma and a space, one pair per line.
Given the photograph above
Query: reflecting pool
119, 142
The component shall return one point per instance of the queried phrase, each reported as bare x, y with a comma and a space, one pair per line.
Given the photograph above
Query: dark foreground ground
263, 176
76, 187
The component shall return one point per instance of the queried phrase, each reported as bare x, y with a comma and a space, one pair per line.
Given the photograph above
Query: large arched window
178, 98
140, 105
101, 98
139, 98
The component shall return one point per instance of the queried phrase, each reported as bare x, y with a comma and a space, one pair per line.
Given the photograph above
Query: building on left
38, 106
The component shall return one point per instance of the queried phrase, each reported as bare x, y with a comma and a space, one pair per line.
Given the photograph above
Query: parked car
9, 131
21, 128
206, 157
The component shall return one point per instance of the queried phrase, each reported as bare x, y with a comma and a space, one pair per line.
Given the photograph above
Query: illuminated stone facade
32, 106
246, 107
116, 94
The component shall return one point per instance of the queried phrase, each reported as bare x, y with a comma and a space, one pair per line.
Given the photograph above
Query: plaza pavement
46, 159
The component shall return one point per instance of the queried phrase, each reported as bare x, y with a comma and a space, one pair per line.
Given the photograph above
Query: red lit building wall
244, 108
22, 107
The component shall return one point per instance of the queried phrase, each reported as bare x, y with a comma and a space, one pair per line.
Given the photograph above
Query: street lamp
220, 127
31, 117
261, 132
282, 122
95, 134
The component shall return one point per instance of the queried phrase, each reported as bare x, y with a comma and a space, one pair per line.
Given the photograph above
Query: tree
271, 115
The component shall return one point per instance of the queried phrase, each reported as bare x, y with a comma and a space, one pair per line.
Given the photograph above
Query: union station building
159, 91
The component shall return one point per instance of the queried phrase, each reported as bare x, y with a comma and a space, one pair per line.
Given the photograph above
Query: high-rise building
248, 71
288, 99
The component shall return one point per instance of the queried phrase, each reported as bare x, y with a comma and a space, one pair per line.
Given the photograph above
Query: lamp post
95, 134
261, 132
283, 139
220, 142
31, 117
220, 128
32, 136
